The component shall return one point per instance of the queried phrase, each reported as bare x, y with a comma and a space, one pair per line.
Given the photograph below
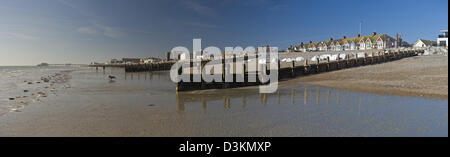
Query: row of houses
374, 41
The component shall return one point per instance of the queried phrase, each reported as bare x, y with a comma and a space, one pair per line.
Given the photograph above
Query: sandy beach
146, 104
423, 76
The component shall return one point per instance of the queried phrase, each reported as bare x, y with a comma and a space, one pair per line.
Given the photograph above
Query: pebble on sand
12, 98
25, 90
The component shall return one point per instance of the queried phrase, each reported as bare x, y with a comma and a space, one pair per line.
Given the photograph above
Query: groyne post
223, 68
328, 63
306, 70
245, 67
338, 59
365, 59
191, 70
234, 68
293, 68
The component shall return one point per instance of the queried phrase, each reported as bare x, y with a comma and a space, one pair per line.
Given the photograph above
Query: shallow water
14, 80
146, 104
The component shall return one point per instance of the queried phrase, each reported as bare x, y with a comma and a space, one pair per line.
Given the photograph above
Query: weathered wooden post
279, 64
223, 68
257, 66
365, 58
234, 68
378, 56
318, 65
395, 55
388, 58
372, 58
347, 58
191, 69
338, 59
245, 68
293, 69
306, 70
328, 63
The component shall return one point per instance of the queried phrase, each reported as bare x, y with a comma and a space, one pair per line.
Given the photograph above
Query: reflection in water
315, 110
305, 95
243, 101
278, 97
263, 98
317, 96
226, 102
204, 104
293, 96
146, 75
328, 96
338, 99
213, 95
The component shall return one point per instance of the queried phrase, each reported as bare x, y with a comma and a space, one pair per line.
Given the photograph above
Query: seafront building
374, 41
442, 39
424, 43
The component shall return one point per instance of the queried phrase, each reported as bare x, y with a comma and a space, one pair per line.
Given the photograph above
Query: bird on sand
111, 77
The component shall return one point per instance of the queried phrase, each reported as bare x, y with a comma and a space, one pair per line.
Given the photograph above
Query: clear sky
82, 31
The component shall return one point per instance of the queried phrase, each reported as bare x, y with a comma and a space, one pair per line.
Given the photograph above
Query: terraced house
374, 41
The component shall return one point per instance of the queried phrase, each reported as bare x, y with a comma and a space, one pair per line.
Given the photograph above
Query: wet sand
146, 104
422, 76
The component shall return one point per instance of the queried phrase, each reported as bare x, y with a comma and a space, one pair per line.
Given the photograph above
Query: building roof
372, 38
427, 42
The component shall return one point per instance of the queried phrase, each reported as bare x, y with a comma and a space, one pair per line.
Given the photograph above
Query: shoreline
419, 76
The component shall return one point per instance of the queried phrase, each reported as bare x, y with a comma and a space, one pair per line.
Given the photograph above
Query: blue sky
82, 31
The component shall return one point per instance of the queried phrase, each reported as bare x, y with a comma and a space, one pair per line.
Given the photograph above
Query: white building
442, 39
424, 43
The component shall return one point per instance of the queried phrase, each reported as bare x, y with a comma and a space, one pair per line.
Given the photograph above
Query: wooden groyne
297, 70
160, 66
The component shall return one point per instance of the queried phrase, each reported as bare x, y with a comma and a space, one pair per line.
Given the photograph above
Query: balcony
443, 36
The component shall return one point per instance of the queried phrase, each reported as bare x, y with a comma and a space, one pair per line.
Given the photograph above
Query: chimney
396, 36
344, 37
359, 35
331, 38
374, 33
